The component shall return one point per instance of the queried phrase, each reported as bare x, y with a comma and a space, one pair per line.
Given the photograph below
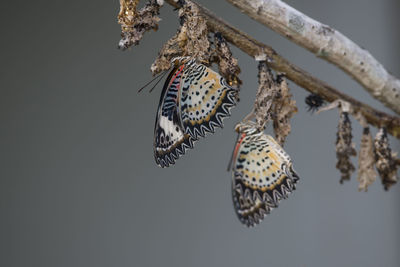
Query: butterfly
262, 174
194, 101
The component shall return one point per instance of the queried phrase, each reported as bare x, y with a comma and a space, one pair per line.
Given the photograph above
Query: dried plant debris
366, 174
267, 90
227, 64
314, 102
283, 109
385, 160
273, 102
195, 26
171, 49
135, 23
344, 147
191, 39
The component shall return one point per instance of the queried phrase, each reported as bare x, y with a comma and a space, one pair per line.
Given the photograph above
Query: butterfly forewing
170, 139
262, 176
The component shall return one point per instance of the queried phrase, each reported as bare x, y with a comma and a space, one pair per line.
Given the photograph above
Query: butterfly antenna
152, 80
165, 72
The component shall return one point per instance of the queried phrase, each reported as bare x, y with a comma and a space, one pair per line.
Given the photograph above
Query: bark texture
328, 44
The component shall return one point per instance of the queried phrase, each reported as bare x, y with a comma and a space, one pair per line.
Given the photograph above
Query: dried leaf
135, 23
366, 160
227, 64
384, 160
284, 108
267, 90
344, 147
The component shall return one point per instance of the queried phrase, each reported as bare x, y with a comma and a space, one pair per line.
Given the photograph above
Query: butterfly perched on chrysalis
262, 174
194, 101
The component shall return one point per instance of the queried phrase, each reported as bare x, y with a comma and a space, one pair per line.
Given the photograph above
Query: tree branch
299, 76
328, 44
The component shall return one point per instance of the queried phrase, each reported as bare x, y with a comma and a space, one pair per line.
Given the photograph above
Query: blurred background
78, 182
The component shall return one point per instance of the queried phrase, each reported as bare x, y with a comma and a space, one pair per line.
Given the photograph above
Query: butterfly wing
170, 139
262, 176
206, 100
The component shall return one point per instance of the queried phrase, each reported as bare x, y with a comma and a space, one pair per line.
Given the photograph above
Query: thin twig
299, 76
328, 44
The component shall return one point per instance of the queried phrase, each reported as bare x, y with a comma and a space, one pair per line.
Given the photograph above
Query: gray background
79, 186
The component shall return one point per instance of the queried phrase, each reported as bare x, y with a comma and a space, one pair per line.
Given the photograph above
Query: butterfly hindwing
170, 139
206, 100
262, 176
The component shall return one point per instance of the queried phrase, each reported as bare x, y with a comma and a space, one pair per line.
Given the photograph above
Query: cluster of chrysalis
196, 99
373, 153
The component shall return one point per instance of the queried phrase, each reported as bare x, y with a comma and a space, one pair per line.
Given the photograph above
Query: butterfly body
194, 101
262, 174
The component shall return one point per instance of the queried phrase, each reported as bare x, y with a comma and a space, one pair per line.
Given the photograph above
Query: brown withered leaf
135, 23
384, 160
366, 173
283, 109
344, 147
265, 97
227, 64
